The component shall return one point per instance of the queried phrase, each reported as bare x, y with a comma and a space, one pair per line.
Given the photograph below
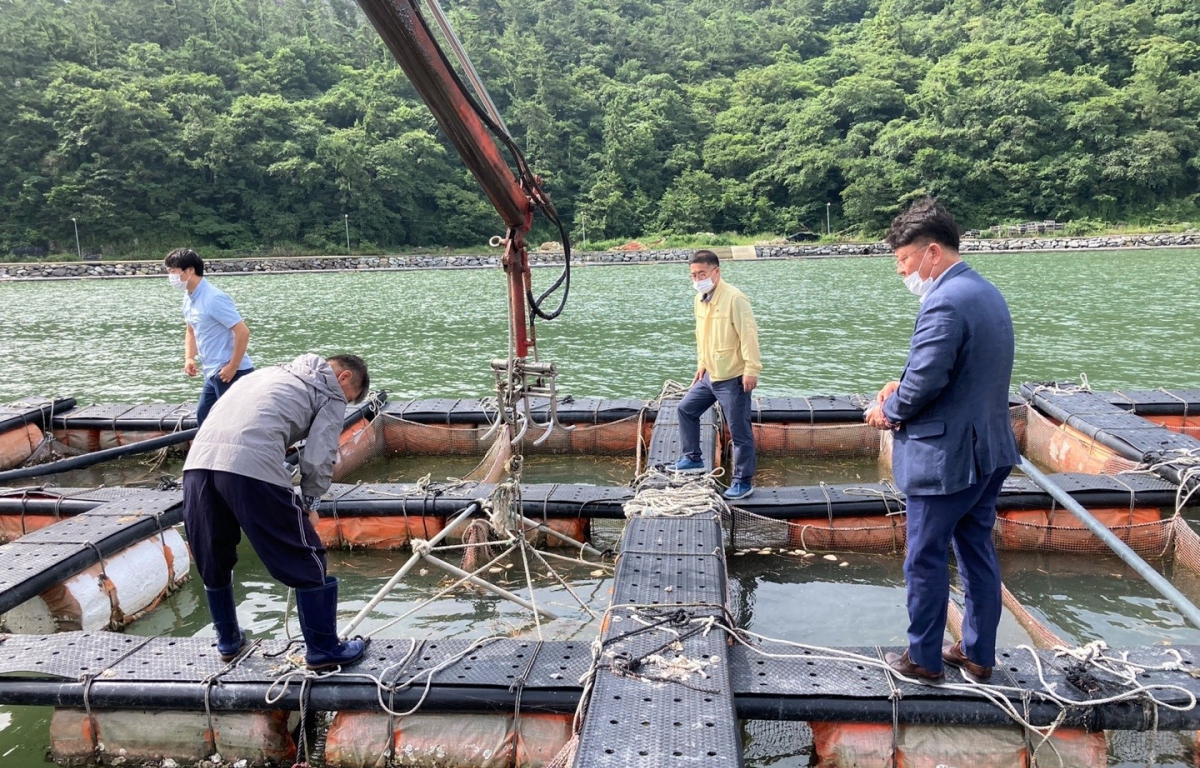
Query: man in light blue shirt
216, 333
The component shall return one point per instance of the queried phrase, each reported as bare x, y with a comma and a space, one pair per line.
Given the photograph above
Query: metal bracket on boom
516, 385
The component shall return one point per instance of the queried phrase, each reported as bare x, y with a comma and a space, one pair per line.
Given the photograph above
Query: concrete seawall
243, 266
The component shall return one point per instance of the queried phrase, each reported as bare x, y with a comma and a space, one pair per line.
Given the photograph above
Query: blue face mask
703, 286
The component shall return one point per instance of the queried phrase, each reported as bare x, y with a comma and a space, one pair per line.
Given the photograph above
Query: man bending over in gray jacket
234, 480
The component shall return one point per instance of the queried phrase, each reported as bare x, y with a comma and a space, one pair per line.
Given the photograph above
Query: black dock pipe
247, 697
98, 457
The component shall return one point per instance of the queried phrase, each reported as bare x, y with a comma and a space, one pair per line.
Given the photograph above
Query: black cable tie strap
210, 733
517, 688
894, 696
24, 508
282, 651
93, 731
99, 556
546, 503
828, 502
337, 521
302, 746
87, 681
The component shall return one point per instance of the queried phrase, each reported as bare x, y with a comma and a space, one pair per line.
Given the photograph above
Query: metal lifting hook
517, 383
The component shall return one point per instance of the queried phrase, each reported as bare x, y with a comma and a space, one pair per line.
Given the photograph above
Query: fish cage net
793, 743
766, 742
1063, 449
1049, 531
816, 440
410, 438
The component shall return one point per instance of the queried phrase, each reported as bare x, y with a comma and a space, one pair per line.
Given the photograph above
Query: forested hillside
255, 124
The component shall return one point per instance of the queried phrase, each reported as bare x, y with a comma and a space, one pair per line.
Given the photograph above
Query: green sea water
837, 326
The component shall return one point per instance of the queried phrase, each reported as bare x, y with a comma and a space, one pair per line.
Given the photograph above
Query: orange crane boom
473, 133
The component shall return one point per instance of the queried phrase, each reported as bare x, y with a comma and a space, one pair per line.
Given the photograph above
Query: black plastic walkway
122, 671
597, 501
41, 559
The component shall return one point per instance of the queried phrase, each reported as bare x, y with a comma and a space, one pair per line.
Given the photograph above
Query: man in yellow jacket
727, 369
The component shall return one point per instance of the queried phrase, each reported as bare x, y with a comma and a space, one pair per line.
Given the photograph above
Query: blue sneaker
738, 490
688, 465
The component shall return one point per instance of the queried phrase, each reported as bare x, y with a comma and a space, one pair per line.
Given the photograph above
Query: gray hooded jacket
251, 426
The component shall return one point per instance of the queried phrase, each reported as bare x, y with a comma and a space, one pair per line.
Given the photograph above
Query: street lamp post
78, 250
347, 217
828, 230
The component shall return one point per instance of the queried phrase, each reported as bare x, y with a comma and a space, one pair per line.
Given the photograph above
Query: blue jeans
965, 518
736, 404
213, 389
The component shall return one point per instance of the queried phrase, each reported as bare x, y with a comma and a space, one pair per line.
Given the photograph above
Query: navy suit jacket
952, 404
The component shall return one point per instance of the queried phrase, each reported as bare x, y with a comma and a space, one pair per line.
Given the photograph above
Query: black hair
926, 220
357, 367
707, 258
185, 258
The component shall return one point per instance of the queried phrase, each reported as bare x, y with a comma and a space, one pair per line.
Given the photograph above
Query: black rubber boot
230, 637
318, 621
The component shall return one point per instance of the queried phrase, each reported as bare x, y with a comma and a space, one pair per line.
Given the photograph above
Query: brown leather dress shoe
907, 667
954, 656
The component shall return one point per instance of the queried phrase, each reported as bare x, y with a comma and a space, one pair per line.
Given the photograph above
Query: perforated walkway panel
32, 410
1130, 436
1157, 402
670, 576
39, 560
598, 501
664, 440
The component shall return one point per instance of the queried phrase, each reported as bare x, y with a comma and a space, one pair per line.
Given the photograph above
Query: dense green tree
263, 124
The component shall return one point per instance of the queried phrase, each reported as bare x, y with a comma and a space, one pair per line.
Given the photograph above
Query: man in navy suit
953, 442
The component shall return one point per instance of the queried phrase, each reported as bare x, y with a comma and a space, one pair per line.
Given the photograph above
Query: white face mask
703, 286
176, 280
915, 284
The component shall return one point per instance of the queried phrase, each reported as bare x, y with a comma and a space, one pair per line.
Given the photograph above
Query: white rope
1067, 389
889, 495
503, 508
674, 495
1122, 669
1185, 461
671, 390
279, 687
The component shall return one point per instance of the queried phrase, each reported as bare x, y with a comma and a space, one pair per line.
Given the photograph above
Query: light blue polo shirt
211, 314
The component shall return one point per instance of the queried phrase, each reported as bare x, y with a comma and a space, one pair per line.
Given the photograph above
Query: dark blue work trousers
965, 518
735, 403
212, 391
218, 506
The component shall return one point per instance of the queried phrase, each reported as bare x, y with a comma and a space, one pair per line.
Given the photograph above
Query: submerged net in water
1064, 449
1051, 531
816, 440
411, 438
